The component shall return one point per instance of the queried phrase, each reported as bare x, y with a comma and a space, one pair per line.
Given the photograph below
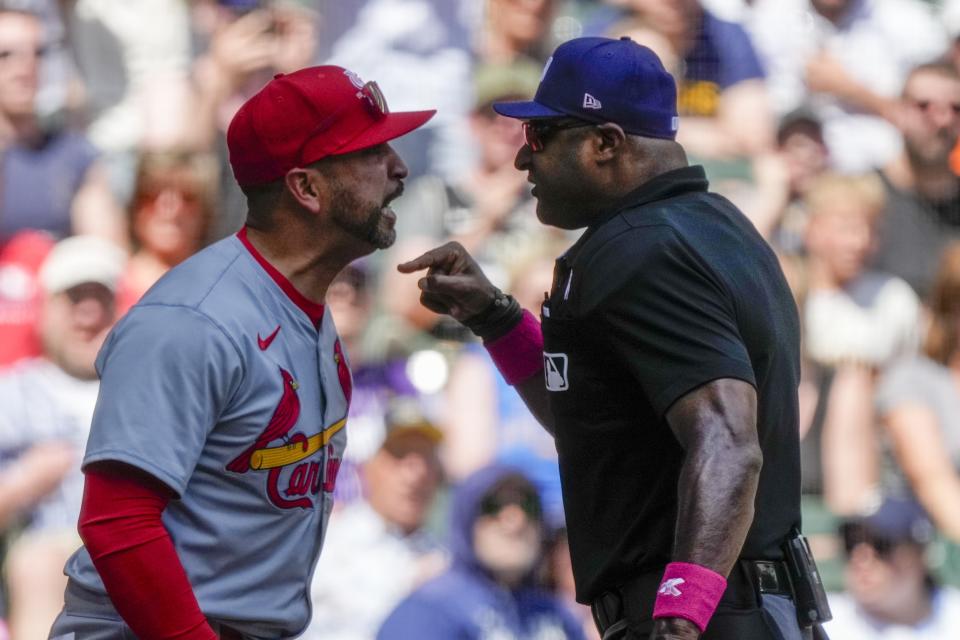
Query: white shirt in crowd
42, 403
366, 568
852, 623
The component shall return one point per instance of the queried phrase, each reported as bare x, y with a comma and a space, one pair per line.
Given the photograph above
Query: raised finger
435, 258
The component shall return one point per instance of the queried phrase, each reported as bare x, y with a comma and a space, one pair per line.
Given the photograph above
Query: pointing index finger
424, 261
429, 260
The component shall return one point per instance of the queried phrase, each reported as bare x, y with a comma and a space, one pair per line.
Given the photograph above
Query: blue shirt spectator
496, 534
722, 56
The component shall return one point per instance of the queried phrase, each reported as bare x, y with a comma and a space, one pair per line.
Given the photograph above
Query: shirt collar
690, 179
314, 310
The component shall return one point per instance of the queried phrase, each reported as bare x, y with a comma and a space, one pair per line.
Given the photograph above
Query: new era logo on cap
638, 93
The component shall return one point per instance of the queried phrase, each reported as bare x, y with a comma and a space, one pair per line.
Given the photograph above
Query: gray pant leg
69, 626
784, 614
88, 616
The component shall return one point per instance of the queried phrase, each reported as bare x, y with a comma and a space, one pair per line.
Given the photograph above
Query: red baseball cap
301, 117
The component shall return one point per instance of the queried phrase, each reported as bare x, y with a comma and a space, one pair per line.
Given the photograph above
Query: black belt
745, 584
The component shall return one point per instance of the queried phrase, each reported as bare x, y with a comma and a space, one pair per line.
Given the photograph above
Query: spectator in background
496, 538
515, 30
50, 179
247, 42
420, 52
783, 178
134, 61
47, 406
558, 579
379, 379
923, 193
20, 296
891, 593
848, 59
489, 210
853, 314
856, 321
243, 43
951, 19
171, 215
377, 550
484, 419
919, 403
722, 96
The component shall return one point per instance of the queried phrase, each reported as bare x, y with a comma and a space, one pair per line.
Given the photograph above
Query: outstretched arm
456, 286
716, 425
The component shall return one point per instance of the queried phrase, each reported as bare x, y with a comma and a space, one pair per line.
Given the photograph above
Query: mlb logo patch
555, 367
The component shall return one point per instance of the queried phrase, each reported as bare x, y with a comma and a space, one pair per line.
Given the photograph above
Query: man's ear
306, 187
609, 140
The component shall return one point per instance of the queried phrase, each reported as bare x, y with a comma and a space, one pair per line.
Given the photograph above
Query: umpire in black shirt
666, 364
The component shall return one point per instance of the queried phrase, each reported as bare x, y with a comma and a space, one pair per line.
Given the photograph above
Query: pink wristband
518, 354
689, 591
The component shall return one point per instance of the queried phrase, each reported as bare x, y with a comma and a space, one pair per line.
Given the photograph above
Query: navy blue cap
897, 519
604, 80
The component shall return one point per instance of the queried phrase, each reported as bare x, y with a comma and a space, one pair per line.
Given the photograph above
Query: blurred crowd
833, 124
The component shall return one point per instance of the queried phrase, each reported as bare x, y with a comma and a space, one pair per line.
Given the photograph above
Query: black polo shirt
672, 291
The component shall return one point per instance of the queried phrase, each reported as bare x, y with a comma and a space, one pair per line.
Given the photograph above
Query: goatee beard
369, 230
379, 237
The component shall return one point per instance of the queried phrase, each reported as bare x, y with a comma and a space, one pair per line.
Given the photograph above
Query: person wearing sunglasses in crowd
496, 542
666, 363
219, 429
890, 590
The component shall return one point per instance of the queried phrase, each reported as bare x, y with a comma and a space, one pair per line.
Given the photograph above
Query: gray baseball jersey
220, 384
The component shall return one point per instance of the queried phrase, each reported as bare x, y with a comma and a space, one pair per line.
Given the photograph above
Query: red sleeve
132, 551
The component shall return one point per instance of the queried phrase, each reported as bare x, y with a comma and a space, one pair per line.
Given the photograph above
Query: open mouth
393, 196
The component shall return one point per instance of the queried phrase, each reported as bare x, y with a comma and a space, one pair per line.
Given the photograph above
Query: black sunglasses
536, 133
493, 503
855, 534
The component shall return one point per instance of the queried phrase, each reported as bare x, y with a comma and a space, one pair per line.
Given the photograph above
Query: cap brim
526, 110
419, 428
392, 126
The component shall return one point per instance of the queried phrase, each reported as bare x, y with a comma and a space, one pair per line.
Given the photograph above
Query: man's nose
524, 155
398, 169
513, 517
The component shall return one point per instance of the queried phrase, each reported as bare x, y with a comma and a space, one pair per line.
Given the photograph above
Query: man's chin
385, 241
549, 216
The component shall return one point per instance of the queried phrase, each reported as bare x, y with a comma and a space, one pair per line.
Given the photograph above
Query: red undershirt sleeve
121, 526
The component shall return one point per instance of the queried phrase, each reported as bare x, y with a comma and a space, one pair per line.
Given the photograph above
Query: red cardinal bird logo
284, 417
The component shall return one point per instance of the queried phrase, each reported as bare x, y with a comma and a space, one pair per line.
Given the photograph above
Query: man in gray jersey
219, 428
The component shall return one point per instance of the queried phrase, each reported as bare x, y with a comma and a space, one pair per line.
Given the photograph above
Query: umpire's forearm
717, 488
